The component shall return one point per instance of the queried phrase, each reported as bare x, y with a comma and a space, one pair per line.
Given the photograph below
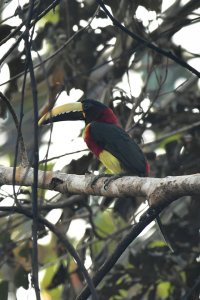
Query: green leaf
48, 274
52, 17
163, 290
46, 167
156, 244
104, 223
170, 139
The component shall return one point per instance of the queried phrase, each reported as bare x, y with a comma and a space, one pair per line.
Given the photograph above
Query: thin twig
147, 43
35, 269
10, 50
12, 34
8, 18
136, 229
62, 155
62, 237
181, 130
196, 285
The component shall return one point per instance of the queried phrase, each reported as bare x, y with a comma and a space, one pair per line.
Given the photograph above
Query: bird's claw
109, 180
97, 177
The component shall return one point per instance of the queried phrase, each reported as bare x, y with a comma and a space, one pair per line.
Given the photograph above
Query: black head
93, 110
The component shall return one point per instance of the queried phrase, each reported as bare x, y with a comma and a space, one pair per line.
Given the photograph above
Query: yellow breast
110, 162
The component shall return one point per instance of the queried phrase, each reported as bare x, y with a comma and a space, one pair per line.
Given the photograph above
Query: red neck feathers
108, 116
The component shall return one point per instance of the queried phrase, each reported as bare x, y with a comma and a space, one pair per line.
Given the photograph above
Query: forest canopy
141, 59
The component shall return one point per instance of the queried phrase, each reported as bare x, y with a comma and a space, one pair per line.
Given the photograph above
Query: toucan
103, 135
105, 138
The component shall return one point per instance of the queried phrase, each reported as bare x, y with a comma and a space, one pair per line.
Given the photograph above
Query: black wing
116, 141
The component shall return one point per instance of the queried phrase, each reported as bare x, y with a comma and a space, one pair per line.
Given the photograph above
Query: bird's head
87, 110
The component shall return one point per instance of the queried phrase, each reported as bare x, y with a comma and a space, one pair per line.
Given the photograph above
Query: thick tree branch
157, 190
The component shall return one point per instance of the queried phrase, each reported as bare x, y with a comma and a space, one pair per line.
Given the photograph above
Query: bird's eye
87, 107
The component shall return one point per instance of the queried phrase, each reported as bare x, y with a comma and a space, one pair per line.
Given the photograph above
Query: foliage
151, 94
154, 272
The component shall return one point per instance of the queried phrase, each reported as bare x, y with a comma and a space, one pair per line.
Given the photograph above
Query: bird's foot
97, 177
110, 179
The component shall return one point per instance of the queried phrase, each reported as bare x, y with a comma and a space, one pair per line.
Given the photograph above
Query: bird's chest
91, 143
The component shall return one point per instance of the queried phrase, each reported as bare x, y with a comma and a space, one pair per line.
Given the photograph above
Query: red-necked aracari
103, 136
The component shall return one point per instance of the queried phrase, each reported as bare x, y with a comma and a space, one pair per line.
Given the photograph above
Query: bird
106, 139
104, 136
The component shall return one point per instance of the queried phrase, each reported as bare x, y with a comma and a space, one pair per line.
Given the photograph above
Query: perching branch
158, 191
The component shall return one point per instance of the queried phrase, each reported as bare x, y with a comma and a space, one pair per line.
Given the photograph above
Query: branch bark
157, 190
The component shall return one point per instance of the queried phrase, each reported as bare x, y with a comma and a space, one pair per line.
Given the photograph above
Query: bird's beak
65, 112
